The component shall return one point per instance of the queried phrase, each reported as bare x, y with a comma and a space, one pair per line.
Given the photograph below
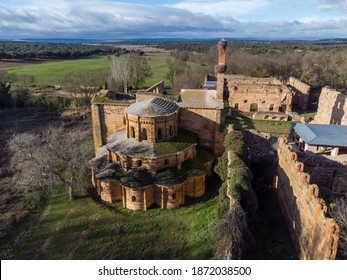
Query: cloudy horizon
112, 20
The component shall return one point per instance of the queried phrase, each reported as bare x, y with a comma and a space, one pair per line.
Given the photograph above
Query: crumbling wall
314, 233
301, 92
321, 170
205, 122
332, 107
258, 94
106, 119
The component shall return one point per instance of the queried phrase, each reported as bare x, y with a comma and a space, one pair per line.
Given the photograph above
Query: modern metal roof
152, 108
322, 134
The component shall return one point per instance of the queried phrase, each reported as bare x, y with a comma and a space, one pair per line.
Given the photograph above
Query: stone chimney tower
220, 68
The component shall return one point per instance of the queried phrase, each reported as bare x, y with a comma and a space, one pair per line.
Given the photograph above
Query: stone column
334, 152
221, 68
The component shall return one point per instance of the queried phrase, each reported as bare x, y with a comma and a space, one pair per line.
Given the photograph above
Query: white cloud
112, 20
331, 4
64, 17
233, 8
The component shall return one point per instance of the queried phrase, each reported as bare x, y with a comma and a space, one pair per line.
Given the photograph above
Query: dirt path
7, 254
83, 236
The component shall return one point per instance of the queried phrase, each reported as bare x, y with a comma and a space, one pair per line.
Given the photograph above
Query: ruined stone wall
205, 122
301, 92
157, 88
314, 233
321, 170
256, 94
270, 116
106, 119
332, 107
244, 80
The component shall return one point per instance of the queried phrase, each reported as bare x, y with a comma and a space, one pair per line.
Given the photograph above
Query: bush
240, 179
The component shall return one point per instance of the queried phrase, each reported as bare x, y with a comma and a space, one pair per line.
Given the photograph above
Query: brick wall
258, 94
301, 92
332, 107
106, 119
314, 233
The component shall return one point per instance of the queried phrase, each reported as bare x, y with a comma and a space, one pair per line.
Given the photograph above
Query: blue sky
108, 19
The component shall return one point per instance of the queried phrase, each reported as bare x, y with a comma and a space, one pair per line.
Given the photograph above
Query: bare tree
85, 82
140, 70
51, 157
121, 71
230, 233
339, 213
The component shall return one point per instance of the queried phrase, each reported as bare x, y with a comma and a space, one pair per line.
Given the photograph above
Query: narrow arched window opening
160, 135
144, 134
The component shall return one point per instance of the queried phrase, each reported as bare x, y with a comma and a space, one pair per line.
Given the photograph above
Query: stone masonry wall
321, 170
332, 107
205, 122
107, 119
315, 235
301, 92
258, 94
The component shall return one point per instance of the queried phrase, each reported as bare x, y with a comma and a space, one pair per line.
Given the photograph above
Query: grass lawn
87, 229
159, 69
51, 72
276, 128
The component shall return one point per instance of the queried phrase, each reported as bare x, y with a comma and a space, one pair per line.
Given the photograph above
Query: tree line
315, 65
26, 50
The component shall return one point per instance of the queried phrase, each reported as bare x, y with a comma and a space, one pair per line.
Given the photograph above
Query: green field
52, 72
88, 229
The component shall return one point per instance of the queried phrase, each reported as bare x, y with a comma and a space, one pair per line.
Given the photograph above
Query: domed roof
152, 108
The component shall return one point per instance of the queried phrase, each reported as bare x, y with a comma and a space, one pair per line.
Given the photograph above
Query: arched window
133, 198
139, 163
271, 107
173, 196
132, 132
160, 136
170, 131
144, 134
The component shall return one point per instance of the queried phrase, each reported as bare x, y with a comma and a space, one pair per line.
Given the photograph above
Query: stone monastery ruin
151, 149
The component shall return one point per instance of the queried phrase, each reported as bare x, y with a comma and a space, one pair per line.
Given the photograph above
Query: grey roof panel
152, 107
322, 134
